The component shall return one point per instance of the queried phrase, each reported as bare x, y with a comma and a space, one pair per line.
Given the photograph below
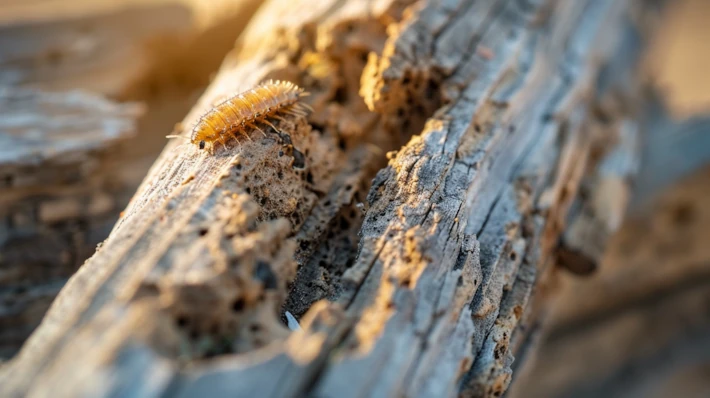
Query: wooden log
638, 322
55, 163
650, 297
184, 297
131, 51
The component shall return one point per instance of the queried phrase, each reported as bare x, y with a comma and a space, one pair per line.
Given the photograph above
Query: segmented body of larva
250, 109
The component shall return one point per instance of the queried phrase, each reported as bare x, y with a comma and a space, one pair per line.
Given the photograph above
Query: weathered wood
458, 228
639, 322
642, 316
133, 51
55, 155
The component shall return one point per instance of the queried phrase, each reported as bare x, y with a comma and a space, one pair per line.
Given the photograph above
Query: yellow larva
234, 116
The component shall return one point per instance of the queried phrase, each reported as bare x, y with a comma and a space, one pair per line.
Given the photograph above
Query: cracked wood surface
53, 215
56, 151
432, 297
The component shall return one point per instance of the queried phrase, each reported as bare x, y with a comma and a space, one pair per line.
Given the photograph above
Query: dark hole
238, 304
341, 95
203, 231
182, 321
299, 161
430, 89
264, 273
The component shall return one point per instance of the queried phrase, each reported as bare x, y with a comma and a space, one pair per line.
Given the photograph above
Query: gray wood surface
434, 280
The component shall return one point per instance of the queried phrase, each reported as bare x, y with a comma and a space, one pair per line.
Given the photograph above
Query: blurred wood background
140, 52
636, 325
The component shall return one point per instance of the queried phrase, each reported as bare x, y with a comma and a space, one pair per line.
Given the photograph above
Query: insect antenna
177, 136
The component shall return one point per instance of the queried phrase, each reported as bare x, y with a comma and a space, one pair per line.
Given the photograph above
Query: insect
250, 109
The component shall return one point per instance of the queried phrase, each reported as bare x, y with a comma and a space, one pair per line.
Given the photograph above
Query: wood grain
432, 297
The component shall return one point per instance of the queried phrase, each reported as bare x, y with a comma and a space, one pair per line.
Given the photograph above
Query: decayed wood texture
184, 296
55, 155
130, 51
640, 322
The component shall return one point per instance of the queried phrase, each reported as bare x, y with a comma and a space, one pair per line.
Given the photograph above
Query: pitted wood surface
465, 109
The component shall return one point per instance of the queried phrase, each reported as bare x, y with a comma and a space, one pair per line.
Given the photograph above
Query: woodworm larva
251, 109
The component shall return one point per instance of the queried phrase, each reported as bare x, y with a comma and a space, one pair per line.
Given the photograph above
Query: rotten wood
55, 157
428, 284
129, 51
649, 297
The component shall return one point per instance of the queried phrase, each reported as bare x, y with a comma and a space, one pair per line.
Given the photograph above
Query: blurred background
89, 89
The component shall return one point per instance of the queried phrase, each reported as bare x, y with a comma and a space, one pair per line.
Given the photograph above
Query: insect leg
279, 118
297, 110
272, 126
221, 141
235, 131
256, 127
304, 105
